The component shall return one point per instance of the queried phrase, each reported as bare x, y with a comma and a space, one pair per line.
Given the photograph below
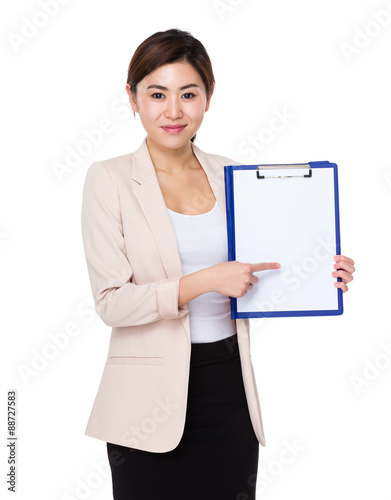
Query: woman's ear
132, 99
208, 99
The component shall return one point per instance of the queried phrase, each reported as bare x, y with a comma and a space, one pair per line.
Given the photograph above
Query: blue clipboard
288, 214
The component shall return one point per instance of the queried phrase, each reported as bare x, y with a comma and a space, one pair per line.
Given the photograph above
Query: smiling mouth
173, 129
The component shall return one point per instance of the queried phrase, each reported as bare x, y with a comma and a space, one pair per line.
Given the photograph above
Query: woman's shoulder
115, 166
106, 177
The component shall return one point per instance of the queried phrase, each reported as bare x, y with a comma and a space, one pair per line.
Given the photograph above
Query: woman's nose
173, 109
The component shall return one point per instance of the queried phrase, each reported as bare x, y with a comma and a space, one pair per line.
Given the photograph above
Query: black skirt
217, 457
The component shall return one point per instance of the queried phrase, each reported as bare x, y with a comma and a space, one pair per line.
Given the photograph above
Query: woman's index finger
263, 266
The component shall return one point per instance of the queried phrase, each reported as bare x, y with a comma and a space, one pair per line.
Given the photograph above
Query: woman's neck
171, 160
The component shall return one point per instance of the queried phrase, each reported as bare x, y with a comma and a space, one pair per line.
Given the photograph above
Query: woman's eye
158, 95
188, 95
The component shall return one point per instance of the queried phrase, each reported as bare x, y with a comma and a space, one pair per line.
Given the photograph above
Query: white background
268, 55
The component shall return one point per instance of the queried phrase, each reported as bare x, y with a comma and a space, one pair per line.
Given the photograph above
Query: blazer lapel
151, 201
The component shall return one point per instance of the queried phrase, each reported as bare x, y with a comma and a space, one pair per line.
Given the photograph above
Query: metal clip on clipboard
267, 168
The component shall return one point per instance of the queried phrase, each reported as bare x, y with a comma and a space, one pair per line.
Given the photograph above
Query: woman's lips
174, 129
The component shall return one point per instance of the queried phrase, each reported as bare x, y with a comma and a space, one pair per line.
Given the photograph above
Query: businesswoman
177, 404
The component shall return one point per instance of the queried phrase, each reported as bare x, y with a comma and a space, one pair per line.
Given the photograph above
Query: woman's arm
118, 301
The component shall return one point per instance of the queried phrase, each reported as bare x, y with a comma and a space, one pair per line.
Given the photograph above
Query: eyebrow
160, 87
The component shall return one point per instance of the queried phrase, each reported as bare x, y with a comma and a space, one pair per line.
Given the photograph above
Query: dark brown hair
165, 47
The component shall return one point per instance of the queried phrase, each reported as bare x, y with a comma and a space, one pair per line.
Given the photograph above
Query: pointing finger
263, 266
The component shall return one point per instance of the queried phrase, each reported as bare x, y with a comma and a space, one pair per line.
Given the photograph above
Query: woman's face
171, 102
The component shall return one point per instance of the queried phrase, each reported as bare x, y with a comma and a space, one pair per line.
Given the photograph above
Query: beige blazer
134, 269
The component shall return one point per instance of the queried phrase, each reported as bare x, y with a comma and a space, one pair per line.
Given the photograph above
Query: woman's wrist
193, 285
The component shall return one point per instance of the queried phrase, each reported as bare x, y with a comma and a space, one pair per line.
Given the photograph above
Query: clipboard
288, 214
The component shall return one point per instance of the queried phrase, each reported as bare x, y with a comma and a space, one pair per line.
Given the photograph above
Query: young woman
177, 404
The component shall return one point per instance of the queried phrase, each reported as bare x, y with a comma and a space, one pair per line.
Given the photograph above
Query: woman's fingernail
278, 266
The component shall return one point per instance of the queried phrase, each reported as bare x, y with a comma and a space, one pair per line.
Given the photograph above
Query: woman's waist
217, 351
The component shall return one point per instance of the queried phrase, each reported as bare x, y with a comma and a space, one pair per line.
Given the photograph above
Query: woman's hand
344, 269
231, 278
234, 278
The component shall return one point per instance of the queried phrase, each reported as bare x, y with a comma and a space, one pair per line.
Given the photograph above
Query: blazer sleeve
118, 301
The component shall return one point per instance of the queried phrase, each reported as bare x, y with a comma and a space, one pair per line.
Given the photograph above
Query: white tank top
202, 242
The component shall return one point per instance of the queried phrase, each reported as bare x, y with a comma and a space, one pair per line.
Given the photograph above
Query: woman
177, 404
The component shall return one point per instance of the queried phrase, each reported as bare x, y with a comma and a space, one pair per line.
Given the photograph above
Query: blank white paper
290, 220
